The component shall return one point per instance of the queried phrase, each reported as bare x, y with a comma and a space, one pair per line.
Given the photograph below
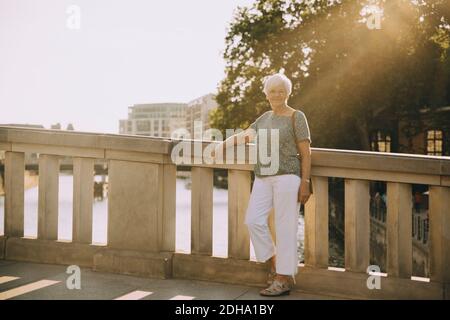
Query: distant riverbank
31, 181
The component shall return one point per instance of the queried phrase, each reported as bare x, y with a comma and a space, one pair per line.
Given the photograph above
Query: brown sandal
277, 288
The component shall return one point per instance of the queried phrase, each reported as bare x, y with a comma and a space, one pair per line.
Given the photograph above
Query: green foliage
345, 75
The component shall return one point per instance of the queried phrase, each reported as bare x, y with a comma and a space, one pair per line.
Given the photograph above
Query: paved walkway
22, 280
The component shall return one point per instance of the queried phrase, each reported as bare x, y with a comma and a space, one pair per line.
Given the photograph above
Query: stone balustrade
142, 214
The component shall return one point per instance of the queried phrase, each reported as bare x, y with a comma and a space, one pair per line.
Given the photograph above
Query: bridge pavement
33, 281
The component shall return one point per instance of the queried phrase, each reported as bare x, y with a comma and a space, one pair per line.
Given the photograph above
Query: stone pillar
399, 225
316, 225
167, 212
439, 214
357, 225
140, 195
133, 202
48, 197
14, 193
201, 210
238, 197
83, 194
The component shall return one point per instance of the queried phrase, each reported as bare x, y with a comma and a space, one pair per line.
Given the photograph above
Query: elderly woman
281, 190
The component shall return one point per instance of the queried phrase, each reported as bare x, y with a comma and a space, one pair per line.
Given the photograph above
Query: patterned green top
287, 161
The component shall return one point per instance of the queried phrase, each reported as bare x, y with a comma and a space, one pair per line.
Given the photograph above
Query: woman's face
277, 94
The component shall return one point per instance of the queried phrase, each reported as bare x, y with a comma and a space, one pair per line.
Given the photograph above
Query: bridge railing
142, 214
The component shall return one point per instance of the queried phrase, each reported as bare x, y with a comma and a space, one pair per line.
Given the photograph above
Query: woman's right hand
303, 192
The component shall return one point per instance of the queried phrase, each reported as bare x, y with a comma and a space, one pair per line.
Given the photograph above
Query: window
143, 125
380, 141
434, 142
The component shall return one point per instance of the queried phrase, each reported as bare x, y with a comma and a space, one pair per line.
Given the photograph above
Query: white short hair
275, 79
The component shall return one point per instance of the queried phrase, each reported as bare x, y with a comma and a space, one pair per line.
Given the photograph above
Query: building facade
426, 133
154, 119
197, 115
161, 119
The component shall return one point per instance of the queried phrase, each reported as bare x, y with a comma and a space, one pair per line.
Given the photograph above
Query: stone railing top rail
79, 139
330, 158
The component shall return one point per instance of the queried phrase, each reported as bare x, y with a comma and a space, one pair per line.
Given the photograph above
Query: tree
344, 73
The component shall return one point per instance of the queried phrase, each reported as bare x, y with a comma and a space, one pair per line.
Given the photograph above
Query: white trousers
278, 192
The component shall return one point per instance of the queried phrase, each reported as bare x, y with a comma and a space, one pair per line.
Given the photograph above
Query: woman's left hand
303, 192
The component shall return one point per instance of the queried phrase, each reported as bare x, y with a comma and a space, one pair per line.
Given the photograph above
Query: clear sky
124, 52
